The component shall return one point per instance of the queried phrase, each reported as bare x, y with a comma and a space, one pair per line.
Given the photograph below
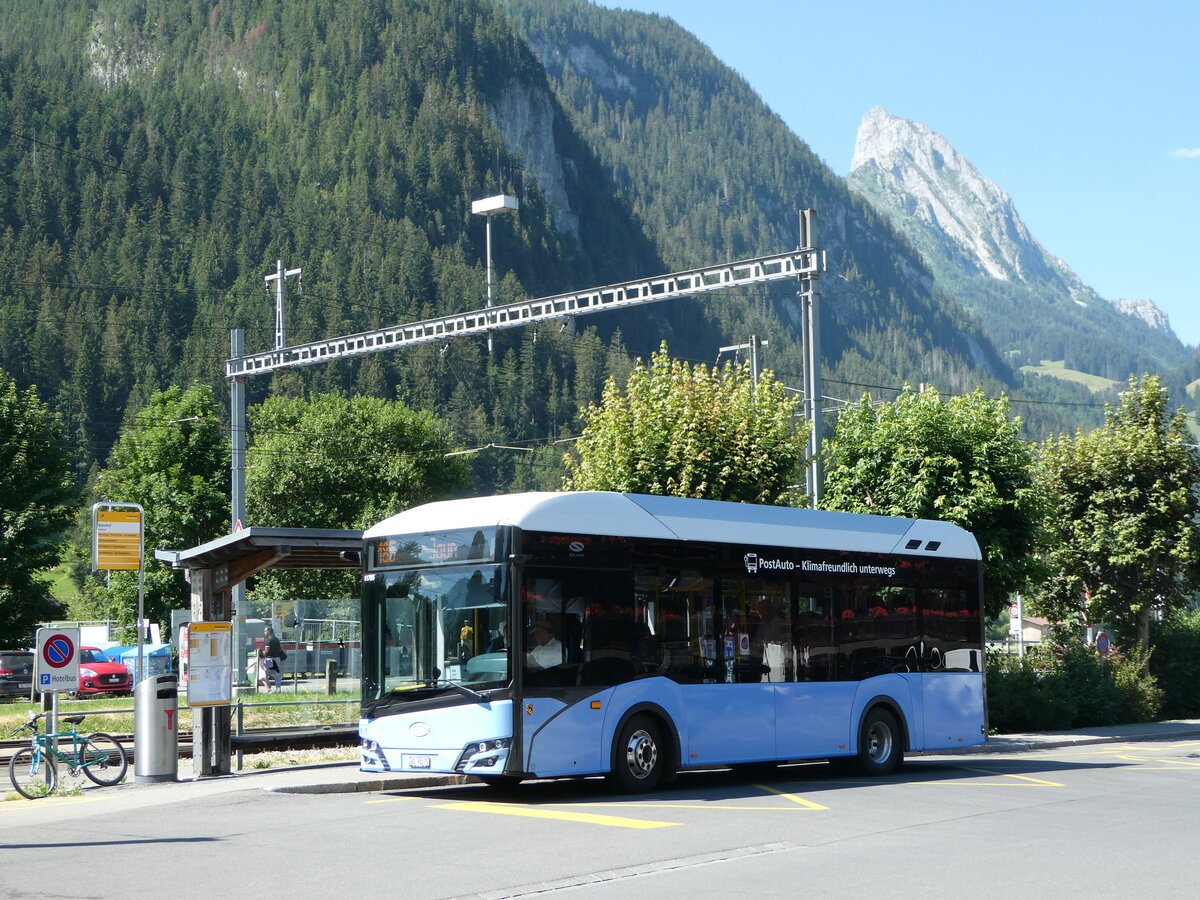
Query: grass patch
115, 714
1058, 369
62, 588
275, 759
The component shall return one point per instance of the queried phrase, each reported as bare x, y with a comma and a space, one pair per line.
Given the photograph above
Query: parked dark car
16, 673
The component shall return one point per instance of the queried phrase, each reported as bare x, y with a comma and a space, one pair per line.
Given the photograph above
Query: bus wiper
454, 685
463, 689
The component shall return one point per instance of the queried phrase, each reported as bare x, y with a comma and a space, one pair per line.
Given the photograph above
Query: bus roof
678, 518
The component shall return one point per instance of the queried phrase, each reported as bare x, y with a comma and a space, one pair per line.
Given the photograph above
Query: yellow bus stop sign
117, 539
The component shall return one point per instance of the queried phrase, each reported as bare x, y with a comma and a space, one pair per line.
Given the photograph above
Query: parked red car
100, 675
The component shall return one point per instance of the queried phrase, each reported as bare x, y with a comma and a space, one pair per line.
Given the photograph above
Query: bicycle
34, 772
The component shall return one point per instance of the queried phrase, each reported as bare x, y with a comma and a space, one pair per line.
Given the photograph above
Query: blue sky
1086, 113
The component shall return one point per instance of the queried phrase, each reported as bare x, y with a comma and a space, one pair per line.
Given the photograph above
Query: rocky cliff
966, 227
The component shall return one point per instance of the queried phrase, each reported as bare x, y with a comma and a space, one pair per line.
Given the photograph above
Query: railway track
250, 741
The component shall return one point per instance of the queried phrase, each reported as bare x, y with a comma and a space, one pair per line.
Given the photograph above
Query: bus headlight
372, 755
483, 755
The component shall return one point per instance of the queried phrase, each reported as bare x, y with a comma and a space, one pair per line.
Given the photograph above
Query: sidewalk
345, 778
1173, 730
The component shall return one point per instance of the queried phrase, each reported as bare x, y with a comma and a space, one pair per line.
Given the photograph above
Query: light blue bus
545, 635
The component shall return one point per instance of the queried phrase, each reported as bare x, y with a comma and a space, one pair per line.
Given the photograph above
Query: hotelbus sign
56, 663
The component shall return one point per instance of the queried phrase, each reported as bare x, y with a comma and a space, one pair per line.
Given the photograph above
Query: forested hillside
160, 155
714, 174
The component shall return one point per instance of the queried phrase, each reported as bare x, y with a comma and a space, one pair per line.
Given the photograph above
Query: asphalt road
1111, 820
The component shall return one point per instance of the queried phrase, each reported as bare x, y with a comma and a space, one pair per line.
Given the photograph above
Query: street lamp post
488, 207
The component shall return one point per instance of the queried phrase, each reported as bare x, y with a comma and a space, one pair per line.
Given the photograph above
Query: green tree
1122, 541
961, 460
173, 459
338, 462
37, 503
343, 462
691, 431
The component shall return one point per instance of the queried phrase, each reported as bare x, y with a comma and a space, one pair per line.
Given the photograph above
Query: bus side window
812, 634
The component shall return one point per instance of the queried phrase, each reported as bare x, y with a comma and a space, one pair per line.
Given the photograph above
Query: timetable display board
210, 656
117, 539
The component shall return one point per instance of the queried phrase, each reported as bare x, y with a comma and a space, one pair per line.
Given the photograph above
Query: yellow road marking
709, 807
45, 802
807, 804
1174, 762
501, 809
1018, 777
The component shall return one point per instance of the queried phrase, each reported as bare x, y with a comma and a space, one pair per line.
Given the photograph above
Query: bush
1176, 649
1021, 698
1142, 694
1069, 685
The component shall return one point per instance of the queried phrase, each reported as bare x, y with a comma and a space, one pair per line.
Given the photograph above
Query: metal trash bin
156, 729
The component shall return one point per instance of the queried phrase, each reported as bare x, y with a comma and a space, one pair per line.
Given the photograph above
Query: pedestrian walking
273, 657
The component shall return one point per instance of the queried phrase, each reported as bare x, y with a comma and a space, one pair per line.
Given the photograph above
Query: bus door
812, 705
950, 656
733, 718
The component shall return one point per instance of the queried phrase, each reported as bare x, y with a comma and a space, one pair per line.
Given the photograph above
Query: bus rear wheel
639, 761
880, 750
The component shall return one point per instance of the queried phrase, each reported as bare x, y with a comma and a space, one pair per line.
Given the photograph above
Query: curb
371, 785
1003, 745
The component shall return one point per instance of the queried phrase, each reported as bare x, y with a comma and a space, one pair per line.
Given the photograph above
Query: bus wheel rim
879, 742
641, 754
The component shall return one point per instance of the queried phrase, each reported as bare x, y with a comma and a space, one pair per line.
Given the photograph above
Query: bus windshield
442, 629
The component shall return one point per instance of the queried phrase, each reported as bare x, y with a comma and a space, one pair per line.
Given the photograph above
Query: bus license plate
418, 762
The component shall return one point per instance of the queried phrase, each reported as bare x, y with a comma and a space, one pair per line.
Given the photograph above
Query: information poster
210, 654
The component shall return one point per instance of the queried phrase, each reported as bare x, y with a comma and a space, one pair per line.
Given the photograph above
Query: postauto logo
754, 562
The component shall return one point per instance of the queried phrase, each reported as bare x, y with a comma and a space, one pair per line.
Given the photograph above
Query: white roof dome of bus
676, 518
586, 512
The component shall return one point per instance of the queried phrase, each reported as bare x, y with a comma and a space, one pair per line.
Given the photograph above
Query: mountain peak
944, 190
968, 231
882, 136
1147, 311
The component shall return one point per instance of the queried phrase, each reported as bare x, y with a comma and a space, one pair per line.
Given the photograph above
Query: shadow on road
131, 842
745, 782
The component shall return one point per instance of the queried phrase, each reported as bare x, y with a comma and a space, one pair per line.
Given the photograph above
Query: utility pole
237, 435
237, 494
753, 346
281, 274
812, 360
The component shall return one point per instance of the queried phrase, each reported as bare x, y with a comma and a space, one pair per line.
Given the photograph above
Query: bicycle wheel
103, 758
32, 775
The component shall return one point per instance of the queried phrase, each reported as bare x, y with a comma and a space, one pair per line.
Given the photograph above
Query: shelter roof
290, 548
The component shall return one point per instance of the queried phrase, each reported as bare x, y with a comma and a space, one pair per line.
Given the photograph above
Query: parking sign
56, 663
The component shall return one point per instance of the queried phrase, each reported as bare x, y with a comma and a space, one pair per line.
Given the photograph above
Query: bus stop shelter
214, 569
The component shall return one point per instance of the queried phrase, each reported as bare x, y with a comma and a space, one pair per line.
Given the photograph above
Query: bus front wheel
880, 750
639, 760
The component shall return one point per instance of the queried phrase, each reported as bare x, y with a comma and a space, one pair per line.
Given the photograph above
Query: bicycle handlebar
31, 723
